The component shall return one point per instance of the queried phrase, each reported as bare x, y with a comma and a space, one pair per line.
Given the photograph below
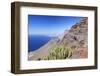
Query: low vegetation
60, 52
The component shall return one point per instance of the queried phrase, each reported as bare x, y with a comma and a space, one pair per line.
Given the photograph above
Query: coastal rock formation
76, 38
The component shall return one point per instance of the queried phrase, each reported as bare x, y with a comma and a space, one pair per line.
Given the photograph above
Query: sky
50, 25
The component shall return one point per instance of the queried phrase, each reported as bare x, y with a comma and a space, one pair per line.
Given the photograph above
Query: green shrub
60, 52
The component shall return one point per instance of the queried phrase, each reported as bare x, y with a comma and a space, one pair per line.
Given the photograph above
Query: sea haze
36, 41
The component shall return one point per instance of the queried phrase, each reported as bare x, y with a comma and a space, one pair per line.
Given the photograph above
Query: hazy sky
50, 25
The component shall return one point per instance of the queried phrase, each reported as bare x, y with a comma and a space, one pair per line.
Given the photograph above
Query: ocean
36, 41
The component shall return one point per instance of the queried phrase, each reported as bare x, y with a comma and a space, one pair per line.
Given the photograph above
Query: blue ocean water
36, 41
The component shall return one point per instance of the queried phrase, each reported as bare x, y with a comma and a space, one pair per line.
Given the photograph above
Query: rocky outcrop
76, 38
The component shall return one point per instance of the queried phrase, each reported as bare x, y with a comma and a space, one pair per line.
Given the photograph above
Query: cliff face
75, 38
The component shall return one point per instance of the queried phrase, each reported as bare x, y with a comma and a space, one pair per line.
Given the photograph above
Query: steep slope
76, 38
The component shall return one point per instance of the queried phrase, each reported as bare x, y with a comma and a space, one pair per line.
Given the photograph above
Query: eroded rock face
76, 38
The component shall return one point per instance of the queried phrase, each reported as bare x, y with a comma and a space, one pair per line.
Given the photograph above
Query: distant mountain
75, 38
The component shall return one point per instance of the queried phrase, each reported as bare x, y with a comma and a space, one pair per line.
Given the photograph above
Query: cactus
60, 52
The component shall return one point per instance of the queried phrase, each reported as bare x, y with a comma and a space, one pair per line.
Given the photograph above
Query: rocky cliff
76, 38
